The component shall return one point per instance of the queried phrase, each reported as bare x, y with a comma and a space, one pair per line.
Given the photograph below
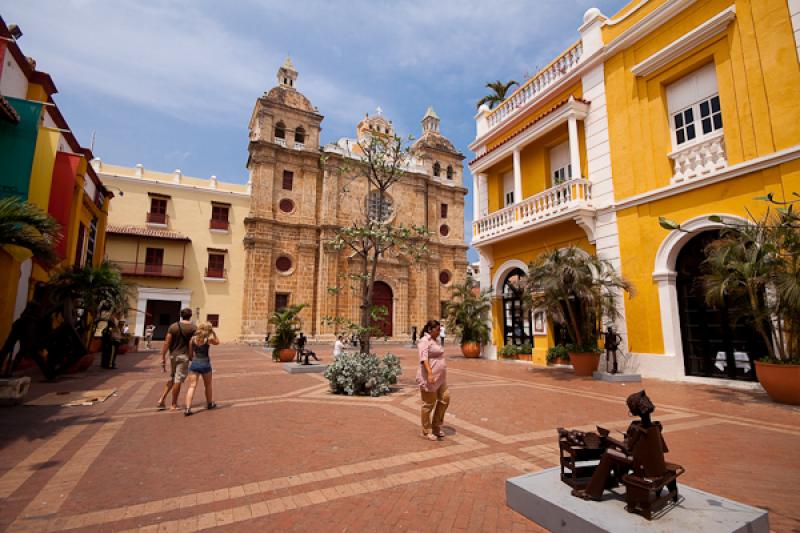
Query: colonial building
673, 108
42, 163
302, 194
178, 240
235, 253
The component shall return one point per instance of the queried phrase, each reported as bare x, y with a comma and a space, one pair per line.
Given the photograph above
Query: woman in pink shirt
432, 377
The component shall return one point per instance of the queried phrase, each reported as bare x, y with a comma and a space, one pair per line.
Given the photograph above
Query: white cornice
710, 28
572, 108
637, 31
168, 185
740, 169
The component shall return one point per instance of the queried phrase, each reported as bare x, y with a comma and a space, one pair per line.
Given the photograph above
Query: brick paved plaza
281, 453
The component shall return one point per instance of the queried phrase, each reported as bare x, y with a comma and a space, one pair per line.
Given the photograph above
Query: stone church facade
302, 193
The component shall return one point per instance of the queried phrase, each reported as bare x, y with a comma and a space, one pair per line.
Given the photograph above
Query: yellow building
43, 163
179, 241
673, 108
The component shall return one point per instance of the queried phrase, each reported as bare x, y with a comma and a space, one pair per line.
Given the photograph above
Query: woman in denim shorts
200, 364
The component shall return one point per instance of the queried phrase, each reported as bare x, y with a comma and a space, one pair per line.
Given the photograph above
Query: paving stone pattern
283, 454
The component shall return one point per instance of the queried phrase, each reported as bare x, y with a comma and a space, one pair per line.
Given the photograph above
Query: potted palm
758, 263
286, 324
580, 292
467, 316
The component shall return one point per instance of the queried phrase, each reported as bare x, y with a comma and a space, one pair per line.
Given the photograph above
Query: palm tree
25, 225
93, 288
577, 290
468, 313
500, 90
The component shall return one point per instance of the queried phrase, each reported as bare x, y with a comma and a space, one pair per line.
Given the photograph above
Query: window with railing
560, 167
300, 135
216, 266
153, 260
694, 107
90, 245
449, 172
437, 169
219, 217
158, 211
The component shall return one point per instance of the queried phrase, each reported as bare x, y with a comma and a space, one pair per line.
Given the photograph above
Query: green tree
25, 225
92, 288
577, 290
499, 93
373, 235
468, 312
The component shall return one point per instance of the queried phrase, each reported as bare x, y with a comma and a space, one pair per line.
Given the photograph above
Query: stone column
486, 262
574, 147
476, 198
518, 177
483, 193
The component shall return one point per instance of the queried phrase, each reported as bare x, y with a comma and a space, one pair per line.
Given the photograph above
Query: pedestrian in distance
338, 346
148, 335
432, 381
200, 365
441, 334
179, 336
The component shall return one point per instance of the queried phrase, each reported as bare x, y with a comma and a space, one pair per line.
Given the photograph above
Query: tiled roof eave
147, 233
7, 111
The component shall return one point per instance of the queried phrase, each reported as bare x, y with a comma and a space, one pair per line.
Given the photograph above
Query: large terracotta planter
287, 355
471, 350
782, 382
585, 364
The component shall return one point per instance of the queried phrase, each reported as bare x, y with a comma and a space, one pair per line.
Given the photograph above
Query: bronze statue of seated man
637, 461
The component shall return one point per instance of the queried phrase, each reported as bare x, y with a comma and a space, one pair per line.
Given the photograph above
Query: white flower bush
358, 374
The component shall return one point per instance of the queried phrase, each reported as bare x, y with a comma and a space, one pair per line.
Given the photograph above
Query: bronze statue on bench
637, 462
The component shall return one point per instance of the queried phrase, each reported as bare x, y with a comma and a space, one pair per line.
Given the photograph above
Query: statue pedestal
615, 378
13, 390
313, 368
545, 499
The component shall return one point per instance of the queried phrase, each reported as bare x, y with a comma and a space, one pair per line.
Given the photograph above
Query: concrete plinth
616, 378
313, 368
545, 499
13, 390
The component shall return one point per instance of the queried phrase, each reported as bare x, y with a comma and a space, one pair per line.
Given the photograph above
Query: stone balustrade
699, 159
563, 198
534, 86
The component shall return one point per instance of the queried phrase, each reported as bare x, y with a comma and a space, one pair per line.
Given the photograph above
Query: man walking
441, 335
177, 342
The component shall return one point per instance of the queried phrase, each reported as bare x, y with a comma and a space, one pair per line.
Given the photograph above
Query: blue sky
171, 84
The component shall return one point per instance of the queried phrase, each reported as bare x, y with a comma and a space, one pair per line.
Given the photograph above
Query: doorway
516, 321
162, 314
382, 296
716, 342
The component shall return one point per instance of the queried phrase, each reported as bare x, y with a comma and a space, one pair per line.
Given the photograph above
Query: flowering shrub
357, 374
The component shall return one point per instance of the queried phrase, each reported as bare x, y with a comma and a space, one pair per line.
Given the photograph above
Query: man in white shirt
338, 346
441, 335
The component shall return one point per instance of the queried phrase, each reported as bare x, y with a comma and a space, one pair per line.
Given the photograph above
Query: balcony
216, 273
571, 200
157, 218
699, 159
150, 270
280, 142
535, 86
221, 225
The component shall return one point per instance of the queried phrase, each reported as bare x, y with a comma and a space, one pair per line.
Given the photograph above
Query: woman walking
432, 380
200, 364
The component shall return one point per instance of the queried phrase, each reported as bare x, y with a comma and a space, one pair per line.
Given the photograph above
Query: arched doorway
516, 322
382, 296
716, 343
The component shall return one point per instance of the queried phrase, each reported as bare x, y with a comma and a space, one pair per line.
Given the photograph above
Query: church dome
291, 98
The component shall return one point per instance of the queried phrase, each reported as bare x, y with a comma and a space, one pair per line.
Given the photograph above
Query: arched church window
300, 135
437, 169
280, 130
379, 208
449, 172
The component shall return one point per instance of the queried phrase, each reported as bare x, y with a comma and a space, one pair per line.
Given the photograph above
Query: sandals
212, 405
188, 412
430, 436
439, 433
161, 407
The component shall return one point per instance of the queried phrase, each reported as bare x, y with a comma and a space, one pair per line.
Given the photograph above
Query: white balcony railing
699, 159
534, 86
546, 205
280, 142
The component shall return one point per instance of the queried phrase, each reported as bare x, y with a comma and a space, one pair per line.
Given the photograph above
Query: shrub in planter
286, 324
508, 351
360, 374
558, 355
468, 316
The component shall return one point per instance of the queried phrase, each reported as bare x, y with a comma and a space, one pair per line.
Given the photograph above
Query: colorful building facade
671, 108
44, 164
